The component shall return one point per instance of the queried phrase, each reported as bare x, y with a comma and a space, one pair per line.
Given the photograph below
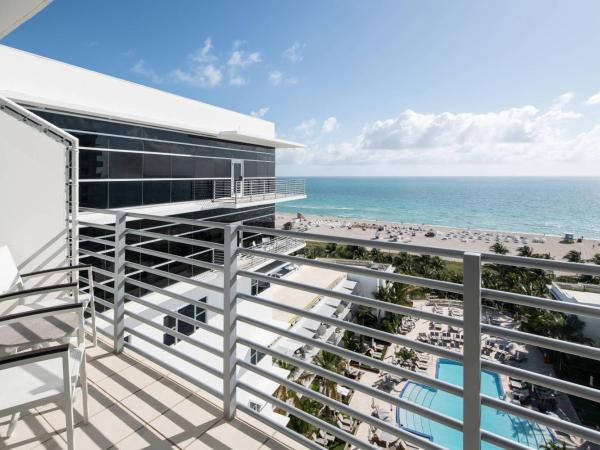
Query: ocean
519, 204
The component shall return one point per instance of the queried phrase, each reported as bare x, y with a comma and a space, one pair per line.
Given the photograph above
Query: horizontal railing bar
361, 329
100, 226
175, 314
99, 286
174, 351
102, 316
336, 405
280, 429
391, 246
573, 348
502, 442
557, 384
106, 273
377, 274
103, 302
321, 424
558, 424
359, 300
174, 333
543, 303
97, 255
173, 295
171, 257
175, 277
540, 263
356, 385
180, 240
345, 353
178, 220
83, 237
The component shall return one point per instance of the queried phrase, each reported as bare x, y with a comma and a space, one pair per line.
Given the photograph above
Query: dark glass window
157, 166
125, 165
200, 312
125, 143
182, 167
181, 191
157, 192
125, 193
255, 356
93, 195
93, 164
184, 327
204, 168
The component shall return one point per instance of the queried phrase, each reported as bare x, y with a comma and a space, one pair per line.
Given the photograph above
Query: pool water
506, 425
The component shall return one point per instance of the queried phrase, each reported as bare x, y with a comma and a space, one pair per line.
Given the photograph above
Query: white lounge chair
45, 375
16, 298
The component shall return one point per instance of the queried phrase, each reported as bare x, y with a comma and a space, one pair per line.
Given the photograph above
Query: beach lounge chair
318, 440
343, 426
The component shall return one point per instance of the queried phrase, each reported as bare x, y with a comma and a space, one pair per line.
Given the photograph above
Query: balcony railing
123, 238
257, 189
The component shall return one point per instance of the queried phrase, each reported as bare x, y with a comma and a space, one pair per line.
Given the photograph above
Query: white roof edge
43, 103
17, 12
93, 93
238, 136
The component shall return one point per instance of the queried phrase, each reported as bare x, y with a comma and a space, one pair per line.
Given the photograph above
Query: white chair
45, 375
16, 298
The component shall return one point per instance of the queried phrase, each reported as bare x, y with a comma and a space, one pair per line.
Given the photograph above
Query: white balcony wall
33, 195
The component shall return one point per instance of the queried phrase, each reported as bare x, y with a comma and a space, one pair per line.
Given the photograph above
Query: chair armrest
39, 312
41, 354
37, 291
57, 270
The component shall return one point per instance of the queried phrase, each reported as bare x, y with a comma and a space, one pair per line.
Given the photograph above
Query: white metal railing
256, 189
233, 268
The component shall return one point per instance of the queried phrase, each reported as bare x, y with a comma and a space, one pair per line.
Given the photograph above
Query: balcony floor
135, 404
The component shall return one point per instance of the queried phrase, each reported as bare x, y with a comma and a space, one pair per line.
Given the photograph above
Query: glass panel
181, 191
157, 166
125, 193
157, 192
125, 165
93, 164
93, 195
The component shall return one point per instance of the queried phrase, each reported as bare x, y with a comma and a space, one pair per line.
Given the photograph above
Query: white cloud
306, 126
140, 68
330, 124
205, 53
294, 53
563, 100
594, 99
201, 76
260, 112
523, 138
276, 78
241, 58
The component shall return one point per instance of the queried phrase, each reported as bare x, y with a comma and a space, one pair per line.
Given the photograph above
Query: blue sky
372, 87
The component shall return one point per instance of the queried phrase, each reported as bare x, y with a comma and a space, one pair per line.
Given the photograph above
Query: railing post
230, 320
472, 351
119, 284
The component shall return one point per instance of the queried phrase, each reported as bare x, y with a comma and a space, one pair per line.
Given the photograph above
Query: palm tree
573, 256
309, 406
334, 363
526, 250
596, 259
405, 354
499, 248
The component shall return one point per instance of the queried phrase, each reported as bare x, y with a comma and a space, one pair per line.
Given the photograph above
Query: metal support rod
230, 320
119, 284
472, 352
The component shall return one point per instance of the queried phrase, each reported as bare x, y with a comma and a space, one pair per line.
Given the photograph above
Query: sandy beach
445, 237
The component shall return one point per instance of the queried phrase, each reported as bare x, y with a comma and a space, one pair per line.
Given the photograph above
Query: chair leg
84, 390
69, 423
13, 424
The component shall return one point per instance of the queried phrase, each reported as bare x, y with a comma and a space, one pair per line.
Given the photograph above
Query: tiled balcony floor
135, 404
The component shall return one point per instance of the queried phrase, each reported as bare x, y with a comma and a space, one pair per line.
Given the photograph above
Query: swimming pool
506, 425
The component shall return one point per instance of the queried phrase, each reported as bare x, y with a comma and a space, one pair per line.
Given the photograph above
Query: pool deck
534, 363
